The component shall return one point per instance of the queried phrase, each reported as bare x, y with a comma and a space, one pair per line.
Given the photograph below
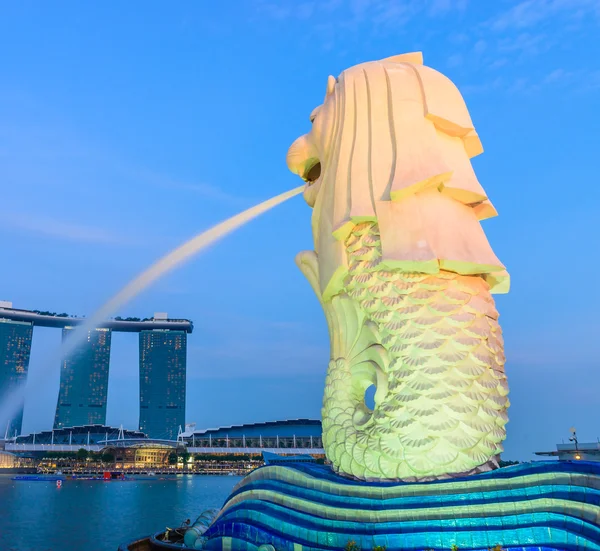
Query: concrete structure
163, 357
575, 452
84, 381
405, 274
128, 325
84, 374
15, 349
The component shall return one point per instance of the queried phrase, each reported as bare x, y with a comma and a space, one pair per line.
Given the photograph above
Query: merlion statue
405, 275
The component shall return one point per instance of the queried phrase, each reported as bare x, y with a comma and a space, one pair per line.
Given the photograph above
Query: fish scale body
442, 408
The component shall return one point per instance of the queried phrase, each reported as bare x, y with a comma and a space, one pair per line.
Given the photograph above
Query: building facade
84, 374
141, 455
584, 451
162, 382
15, 350
290, 436
84, 381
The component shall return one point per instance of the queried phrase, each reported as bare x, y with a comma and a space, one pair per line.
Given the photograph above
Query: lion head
391, 144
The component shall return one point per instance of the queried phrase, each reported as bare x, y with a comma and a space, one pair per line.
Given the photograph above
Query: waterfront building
576, 451
290, 436
84, 381
142, 455
162, 382
286, 437
234, 449
270, 458
90, 437
15, 349
8, 461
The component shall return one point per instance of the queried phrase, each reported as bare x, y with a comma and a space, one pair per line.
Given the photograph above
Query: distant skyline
124, 132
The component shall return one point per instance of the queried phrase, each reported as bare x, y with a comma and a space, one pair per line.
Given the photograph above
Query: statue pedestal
300, 507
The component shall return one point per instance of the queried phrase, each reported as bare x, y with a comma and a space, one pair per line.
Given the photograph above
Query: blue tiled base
538, 506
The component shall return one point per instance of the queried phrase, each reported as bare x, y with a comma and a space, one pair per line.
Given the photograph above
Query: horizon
122, 137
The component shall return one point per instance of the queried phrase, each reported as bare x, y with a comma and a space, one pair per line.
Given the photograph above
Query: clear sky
126, 128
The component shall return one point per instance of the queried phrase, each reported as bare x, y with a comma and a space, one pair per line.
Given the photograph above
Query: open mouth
313, 183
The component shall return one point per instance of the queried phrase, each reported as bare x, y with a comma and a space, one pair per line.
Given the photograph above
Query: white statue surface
405, 275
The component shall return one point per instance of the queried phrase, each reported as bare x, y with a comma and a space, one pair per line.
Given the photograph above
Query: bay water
98, 516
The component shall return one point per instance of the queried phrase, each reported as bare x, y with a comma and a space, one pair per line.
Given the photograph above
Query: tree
108, 458
172, 458
503, 463
82, 454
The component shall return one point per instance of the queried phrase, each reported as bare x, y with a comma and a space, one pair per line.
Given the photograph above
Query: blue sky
127, 128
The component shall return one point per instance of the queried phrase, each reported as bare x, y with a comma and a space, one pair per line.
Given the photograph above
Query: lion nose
299, 154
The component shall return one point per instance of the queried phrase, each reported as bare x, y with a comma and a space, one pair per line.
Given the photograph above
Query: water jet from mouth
14, 400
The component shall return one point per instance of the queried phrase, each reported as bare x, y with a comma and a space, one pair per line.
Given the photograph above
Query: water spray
167, 263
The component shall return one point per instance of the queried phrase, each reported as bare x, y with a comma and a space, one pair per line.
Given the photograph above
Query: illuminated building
586, 451
162, 382
84, 374
290, 436
15, 348
84, 381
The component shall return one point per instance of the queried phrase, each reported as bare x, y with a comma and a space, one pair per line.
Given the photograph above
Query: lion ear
413, 57
330, 86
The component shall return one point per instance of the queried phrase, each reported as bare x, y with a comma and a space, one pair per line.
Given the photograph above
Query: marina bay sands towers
162, 382
15, 348
84, 374
84, 381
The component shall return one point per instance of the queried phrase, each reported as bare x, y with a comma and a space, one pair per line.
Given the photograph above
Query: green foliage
119, 318
379, 548
172, 458
454, 547
53, 314
503, 463
497, 548
82, 454
352, 546
183, 457
61, 455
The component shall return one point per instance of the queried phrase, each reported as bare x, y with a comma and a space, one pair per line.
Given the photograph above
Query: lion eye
314, 113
